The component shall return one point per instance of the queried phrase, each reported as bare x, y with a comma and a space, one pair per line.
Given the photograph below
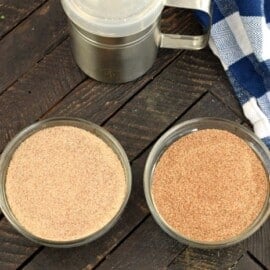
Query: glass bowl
188, 127
52, 122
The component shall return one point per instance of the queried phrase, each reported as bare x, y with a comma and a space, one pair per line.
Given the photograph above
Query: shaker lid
113, 18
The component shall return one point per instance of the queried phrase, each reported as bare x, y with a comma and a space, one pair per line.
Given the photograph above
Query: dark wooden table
39, 79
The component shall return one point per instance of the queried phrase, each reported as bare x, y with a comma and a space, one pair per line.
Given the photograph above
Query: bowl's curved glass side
188, 127
58, 121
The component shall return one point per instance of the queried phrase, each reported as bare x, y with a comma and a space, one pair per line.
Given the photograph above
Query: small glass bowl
52, 122
188, 127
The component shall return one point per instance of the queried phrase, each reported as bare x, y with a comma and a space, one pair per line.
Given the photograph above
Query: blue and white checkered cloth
240, 37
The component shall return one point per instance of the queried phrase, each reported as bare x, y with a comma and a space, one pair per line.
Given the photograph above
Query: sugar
209, 186
64, 183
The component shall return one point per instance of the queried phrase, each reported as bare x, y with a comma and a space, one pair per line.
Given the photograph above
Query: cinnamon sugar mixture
64, 183
209, 186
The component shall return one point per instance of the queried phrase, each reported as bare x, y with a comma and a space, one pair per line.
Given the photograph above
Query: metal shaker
117, 41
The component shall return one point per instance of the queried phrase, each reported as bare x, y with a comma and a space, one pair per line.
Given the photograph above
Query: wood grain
87, 94
148, 248
166, 98
14, 247
30, 41
224, 91
259, 244
31, 96
89, 111
197, 259
13, 12
89, 97
215, 108
247, 263
47, 83
221, 88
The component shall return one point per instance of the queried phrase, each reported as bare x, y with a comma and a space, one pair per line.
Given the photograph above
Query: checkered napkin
240, 37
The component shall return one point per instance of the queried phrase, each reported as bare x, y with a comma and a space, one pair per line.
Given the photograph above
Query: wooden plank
14, 247
198, 259
30, 97
30, 41
25, 118
87, 99
224, 91
171, 17
95, 252
166, 98
13, 12
43, 30
259, 244
148, 248
215, 108
222, 88
247, 263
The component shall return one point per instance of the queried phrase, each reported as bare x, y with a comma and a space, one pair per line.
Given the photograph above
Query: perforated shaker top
113, 18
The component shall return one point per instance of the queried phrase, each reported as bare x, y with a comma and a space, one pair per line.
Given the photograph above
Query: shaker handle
174, 41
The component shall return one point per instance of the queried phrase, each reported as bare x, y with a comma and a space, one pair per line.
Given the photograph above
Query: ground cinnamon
209, 186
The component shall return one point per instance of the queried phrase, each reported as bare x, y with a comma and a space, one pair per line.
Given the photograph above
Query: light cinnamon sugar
209, 186
64, 183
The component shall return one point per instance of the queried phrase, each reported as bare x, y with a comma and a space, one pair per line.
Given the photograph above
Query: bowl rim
93, 128
180, 130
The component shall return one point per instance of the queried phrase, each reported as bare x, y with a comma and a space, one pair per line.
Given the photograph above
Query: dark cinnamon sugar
209, 186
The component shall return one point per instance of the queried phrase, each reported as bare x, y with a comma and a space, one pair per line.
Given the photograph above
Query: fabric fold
240, 37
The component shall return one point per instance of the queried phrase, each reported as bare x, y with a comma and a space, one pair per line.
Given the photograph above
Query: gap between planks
171, 125
46, 53
121, 241
23, 19
49, 16
127, 101
255, 259
30, 258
